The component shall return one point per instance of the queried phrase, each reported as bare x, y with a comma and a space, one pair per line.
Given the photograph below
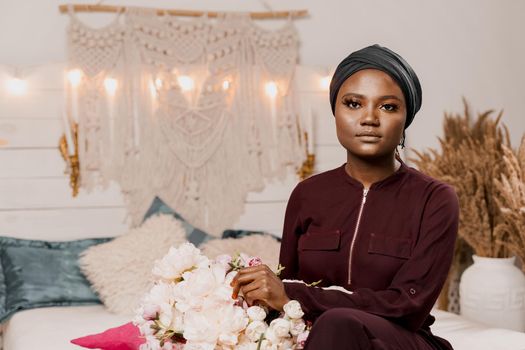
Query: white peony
256, 313
228, 339
191, 345
280, 327
235, 319
292, 309
203, 288
255, 329
179, 260
201, 327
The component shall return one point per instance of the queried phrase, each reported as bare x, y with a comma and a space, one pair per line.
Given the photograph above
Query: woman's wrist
284, 300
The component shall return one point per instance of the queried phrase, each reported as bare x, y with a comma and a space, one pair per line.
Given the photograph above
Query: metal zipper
363, 201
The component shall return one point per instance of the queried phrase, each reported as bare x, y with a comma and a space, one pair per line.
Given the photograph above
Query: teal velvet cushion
40, 273
193, 234
243, 233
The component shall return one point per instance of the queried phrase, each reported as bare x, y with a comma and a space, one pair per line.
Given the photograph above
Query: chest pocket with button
390, 246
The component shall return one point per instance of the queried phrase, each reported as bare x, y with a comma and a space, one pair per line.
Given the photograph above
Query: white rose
271, 336
246, 345
256, 313
281, 327
286, 344
293, 310
298, 326
255, 329
268, 345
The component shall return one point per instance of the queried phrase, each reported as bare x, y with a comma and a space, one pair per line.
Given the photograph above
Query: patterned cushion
120, 270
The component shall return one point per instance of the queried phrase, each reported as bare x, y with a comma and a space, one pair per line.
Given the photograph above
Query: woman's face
370, 114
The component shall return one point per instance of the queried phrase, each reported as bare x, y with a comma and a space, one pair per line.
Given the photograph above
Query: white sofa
53, 328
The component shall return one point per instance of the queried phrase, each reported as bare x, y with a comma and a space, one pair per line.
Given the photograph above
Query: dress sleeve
291, 232
415, 287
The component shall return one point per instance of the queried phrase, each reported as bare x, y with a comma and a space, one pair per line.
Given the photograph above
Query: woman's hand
260, 283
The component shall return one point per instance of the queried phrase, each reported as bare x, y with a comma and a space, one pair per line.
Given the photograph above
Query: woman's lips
368, 136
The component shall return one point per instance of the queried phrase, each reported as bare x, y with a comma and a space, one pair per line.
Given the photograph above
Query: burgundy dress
381, 256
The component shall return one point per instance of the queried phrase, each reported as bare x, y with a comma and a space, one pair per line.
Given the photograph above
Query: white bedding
53, 328
467, 335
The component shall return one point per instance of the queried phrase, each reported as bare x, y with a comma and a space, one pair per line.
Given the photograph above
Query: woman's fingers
247, 275
253, 291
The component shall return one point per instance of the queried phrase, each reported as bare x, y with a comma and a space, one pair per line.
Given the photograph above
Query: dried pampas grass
510, 198
471, 158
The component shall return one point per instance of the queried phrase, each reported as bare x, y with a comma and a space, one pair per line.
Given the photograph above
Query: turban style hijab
378, 57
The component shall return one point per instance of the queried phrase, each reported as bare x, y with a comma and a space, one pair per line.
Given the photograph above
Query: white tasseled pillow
120, 270
263, 246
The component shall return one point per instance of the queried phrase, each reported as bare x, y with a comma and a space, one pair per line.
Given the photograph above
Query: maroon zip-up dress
389, 247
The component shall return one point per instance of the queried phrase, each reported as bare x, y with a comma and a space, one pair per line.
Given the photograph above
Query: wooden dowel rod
186, 13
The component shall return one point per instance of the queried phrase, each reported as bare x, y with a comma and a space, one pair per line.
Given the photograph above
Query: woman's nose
369, 117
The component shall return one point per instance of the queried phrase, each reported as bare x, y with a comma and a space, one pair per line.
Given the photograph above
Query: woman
377, 235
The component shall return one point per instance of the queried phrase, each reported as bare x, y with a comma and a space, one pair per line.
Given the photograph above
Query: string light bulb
226, 85
75, 77
271, 89
158, 83
111, 85
152, 89
17, 86
325, 83
186, 83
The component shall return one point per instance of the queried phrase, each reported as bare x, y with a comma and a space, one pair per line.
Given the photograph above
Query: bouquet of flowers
191, 307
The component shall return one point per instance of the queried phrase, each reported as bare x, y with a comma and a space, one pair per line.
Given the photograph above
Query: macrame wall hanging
197, 112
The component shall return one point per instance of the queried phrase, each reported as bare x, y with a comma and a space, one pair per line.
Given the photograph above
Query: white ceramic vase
492, 291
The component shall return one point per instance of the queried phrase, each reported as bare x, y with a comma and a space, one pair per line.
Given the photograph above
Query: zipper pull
365, 192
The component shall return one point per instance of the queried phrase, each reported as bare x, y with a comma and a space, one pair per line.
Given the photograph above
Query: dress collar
389, 179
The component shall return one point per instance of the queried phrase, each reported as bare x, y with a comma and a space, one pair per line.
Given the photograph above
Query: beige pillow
263, 246
120, 270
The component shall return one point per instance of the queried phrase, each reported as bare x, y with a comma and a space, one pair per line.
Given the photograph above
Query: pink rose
254, 261
150, 312
301, 339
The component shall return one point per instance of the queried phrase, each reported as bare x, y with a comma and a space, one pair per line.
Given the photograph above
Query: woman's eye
352, 104
389, 107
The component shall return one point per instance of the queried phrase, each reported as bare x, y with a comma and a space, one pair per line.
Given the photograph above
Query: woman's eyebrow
385, 97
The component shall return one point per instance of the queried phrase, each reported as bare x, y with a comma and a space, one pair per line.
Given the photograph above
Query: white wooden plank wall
35, 198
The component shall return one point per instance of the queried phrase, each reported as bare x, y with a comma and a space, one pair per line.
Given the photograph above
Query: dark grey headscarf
378, 57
